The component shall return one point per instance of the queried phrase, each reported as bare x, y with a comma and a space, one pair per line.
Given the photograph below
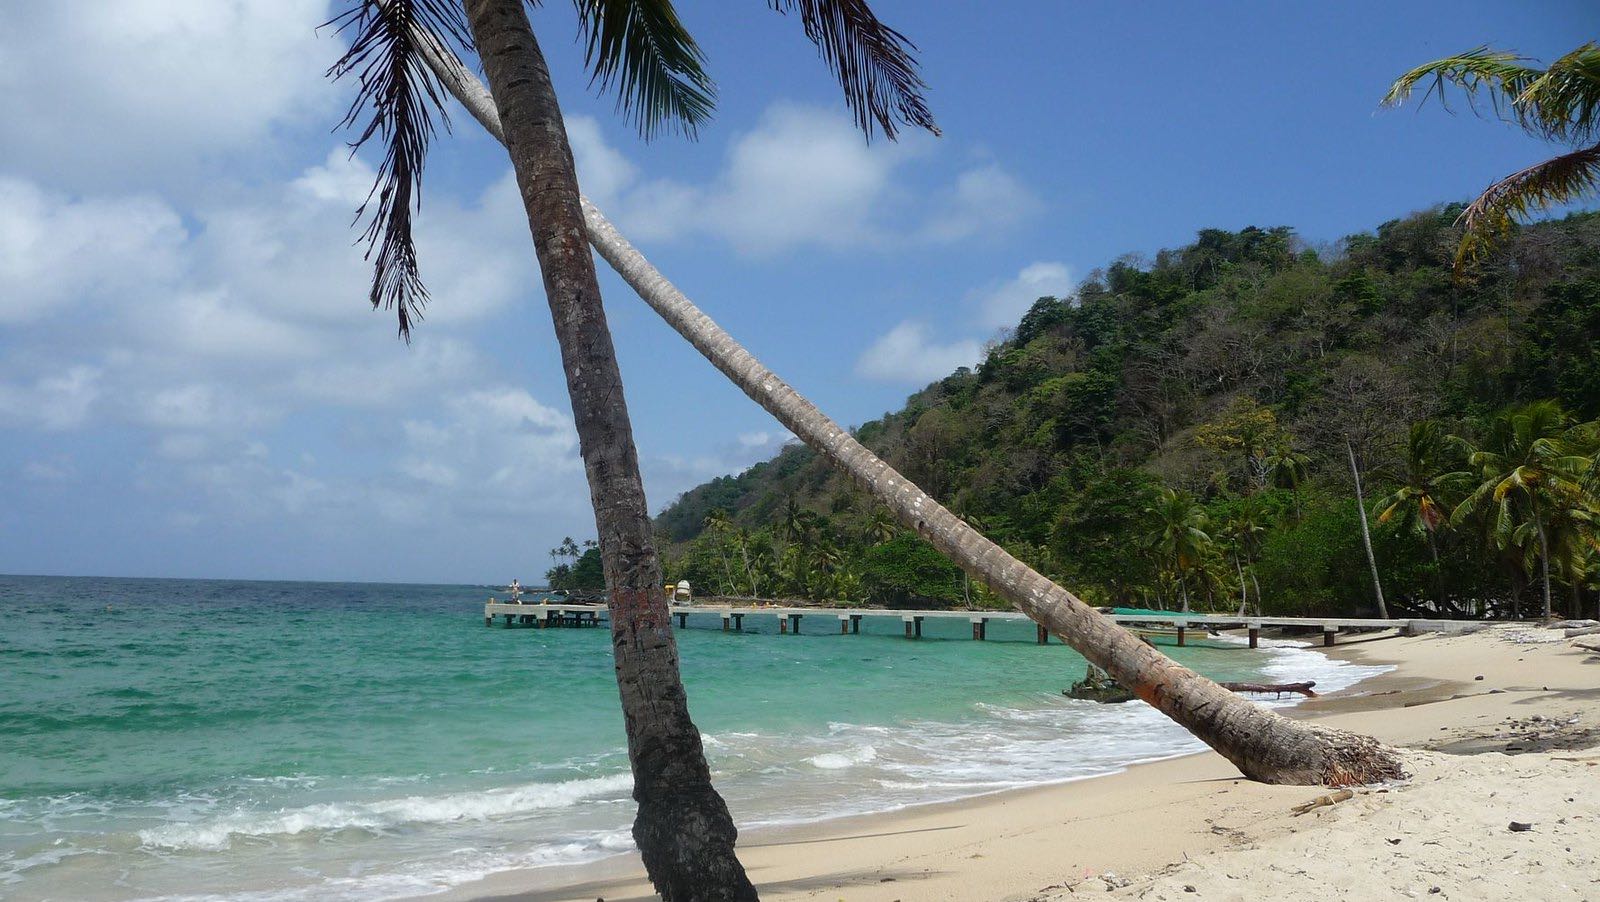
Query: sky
192, 383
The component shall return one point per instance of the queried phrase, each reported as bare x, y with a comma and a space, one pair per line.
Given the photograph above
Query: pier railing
791, 619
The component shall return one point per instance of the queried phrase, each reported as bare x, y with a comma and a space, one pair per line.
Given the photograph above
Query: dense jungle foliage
1185, 431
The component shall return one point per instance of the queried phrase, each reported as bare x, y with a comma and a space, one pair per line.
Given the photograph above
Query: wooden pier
790, 620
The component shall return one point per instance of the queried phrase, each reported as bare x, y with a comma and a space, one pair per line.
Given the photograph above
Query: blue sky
192, 385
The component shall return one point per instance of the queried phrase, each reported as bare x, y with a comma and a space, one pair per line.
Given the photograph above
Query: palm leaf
873, 62
397, 95
642, 49
1563, 102
1497, 73
1553, 182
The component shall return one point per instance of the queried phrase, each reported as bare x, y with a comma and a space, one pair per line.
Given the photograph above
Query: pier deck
790, 619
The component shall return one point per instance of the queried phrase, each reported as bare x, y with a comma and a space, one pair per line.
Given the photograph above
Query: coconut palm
684, 832
880, 527
1287, 469
1419, 503
1530, 468
718, 525
1264, 745
1560, 103
1178, 532
1243, 530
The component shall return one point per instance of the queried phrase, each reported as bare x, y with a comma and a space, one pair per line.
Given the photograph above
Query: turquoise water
275, 741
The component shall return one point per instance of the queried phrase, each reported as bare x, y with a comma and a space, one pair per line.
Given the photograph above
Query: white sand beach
1500, 727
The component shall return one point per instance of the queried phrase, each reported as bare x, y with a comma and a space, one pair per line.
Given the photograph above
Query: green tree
1420, 503
1530, 465
1560, 103
1178, 533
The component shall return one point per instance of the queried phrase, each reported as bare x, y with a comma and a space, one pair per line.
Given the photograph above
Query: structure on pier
789, 619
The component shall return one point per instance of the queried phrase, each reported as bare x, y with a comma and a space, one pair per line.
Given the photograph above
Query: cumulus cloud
908, 353
150, 88
1002, 304
801, 177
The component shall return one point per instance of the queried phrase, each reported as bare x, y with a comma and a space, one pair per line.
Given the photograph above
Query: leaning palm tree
1264, 745
1530, 466
1560, 103
683, 829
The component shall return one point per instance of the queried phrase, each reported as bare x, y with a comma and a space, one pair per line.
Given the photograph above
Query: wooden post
1328, 632
1041, 634
844, 624
794, 621
683, 621
738, 623
908, 626
1181, 632
725, 619
1255, 637
855, 623
783, 625
488, 620
919, 626
509, 618
980, 628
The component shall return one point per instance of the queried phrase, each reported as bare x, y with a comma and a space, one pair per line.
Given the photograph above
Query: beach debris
1332, 798
1097, 686
1520, 827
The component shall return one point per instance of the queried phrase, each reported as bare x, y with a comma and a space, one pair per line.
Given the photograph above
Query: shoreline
846, 854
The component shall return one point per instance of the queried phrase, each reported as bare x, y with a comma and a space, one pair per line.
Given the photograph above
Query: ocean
281, 741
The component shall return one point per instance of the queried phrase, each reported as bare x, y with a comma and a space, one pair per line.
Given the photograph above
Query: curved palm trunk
1544, 563
1262, 744
1366, 534
683, 829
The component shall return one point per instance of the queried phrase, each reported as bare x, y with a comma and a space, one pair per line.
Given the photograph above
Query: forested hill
1230, 372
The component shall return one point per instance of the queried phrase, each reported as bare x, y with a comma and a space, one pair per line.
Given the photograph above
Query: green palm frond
642, 49
1496, 73
873, 63
1551, 183
397, 95
1560, 103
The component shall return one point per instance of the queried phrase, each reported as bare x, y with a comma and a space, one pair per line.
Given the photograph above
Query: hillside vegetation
1182, 431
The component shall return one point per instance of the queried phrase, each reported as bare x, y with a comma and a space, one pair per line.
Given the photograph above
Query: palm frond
397, 96
1497, 73
1563, 104
642, 49
1553, 182
873, 62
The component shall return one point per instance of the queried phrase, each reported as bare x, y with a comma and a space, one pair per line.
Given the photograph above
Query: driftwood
1096, 686
1279, 688
1332, 798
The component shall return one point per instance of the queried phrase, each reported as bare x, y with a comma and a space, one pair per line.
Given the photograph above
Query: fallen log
1332, 798
1278, 688
1097, 687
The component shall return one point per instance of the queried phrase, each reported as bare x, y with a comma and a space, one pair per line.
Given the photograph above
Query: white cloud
53, 401
1002, 305
907, 353
57, 251
801, 177
142, 90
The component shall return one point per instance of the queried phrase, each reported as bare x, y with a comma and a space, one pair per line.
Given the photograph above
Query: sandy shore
1502, 729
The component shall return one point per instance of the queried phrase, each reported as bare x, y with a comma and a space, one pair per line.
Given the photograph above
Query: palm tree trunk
683, 829
1544, 565
1244, 592
1366, 534
1264, 745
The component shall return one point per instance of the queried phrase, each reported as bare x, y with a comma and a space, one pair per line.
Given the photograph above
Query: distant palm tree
1287, 468
1243, 530
1530, 466
1419, 504
1262, 744
400, 51
880, 527
1178, 532
1560, 103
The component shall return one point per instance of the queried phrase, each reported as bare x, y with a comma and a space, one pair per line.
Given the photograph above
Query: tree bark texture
1262, 744
683, 829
